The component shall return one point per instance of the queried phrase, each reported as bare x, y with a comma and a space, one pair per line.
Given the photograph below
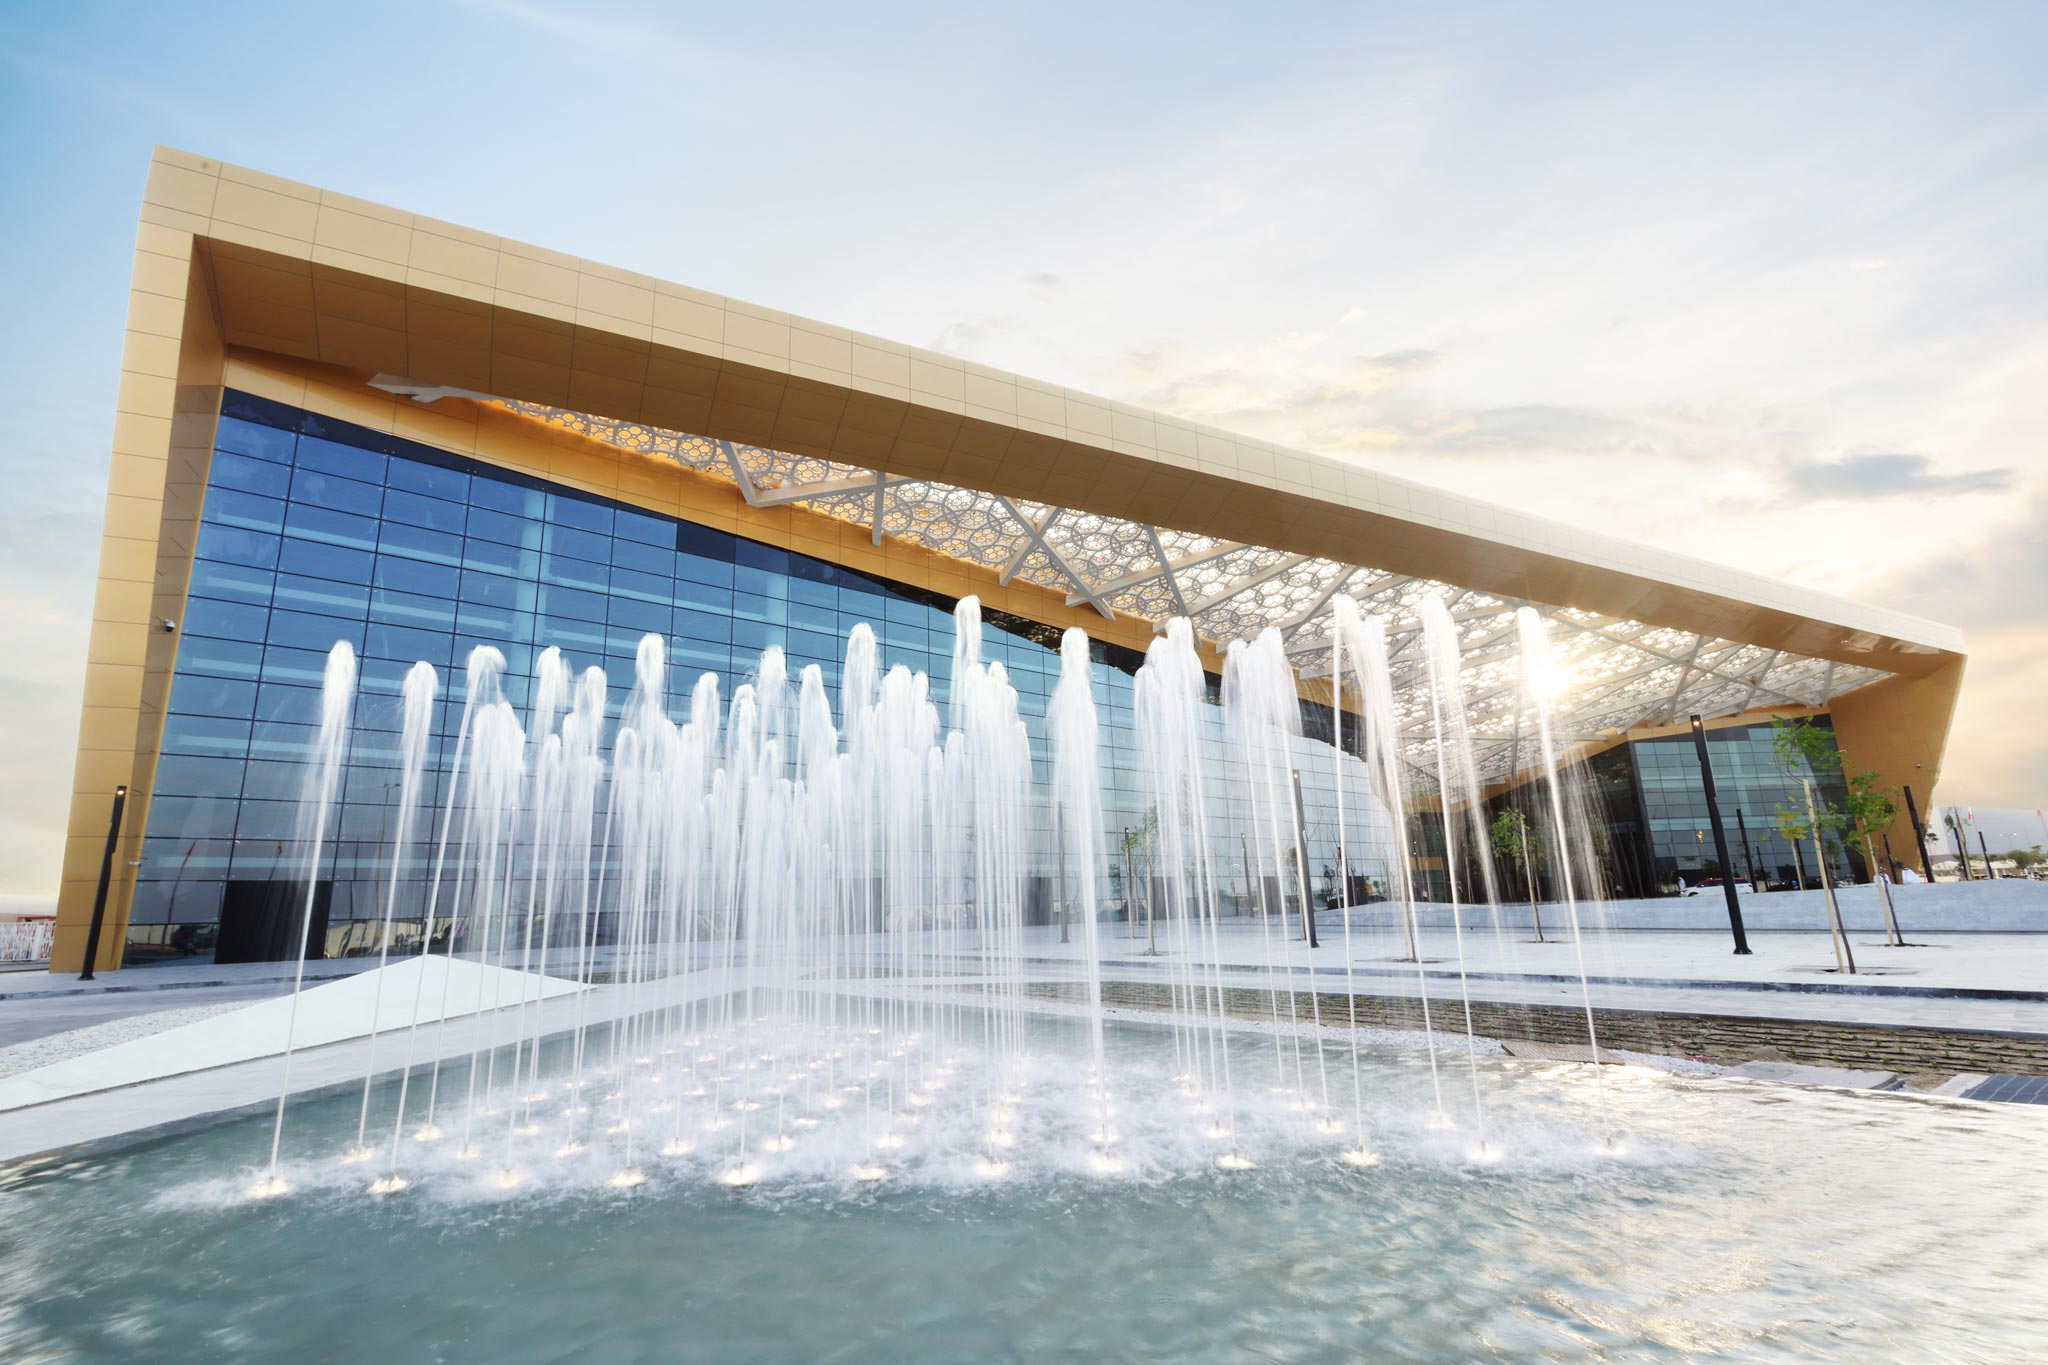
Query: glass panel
496, 492
642, 558
504, 530
303, 630
415, 611
319, 560
320, 595
564, 510
249, 474
190, 775
206, 736
559, 601
415, 510
251, 438
332, 457
226, 507
408, 575
431, 480
416, 542
558, 539
407, 646
234, 546
496, 558
333, 528
498, 590
220, 657
210, 696
224, 620
644, 528
230, 582
335, 493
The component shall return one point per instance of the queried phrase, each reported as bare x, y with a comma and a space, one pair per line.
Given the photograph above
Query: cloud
1386, 404
1244, 395
968, 336
1989, 584
41, 735
1866, 477
1525, 429
1989, 580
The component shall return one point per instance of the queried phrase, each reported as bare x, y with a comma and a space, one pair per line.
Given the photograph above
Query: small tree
1806, 753
1870, 809
1600, 847
1954, 825
1803, 752
1136, 846
1510, 840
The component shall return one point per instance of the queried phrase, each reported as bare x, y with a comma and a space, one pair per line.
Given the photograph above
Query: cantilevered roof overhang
309, 273
1128, 510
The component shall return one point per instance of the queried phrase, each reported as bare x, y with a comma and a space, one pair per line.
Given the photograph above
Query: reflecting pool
1735, 1220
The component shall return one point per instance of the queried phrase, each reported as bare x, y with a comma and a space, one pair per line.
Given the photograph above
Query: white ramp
334, 1012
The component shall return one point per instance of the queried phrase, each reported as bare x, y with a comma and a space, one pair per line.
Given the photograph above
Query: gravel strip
60, 1047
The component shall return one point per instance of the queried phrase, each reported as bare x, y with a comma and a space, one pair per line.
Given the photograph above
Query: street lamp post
1748, 850
1059, 840
1699, 740
1130, 890
99, 899
1919, 834
1990, 872
1308, 900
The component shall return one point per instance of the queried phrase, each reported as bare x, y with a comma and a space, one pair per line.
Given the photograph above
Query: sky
2000, 830
1766, 284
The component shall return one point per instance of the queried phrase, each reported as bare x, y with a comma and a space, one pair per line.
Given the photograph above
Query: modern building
341, 421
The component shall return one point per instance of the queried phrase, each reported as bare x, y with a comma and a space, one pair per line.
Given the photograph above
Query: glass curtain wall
315, 531
1648, 822
1750, 787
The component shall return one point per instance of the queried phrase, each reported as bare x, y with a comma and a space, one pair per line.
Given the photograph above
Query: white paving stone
1792, 1073
393, 997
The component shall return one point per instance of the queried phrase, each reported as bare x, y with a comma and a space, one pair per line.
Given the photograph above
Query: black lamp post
1699, 741
1990, 873
99, 899
1748, 849
1059, 841
1919, 834
1308, 900
1130, 890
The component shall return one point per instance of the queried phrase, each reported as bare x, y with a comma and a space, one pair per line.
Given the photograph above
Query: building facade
314, 532
343, 421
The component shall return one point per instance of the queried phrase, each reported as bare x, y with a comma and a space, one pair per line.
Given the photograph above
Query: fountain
816, 931
729, 959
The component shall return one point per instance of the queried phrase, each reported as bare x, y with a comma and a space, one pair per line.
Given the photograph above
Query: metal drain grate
2010, 1090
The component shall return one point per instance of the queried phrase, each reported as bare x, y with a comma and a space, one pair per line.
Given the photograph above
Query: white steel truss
1619, 673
